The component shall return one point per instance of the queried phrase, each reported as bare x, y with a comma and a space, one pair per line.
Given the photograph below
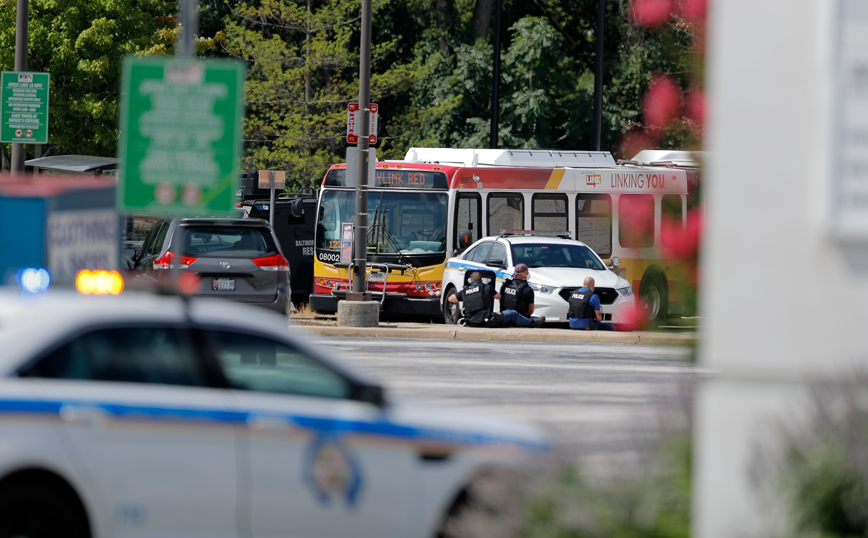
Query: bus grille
606, 295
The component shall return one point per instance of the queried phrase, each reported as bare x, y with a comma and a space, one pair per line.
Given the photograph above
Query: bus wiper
380, 227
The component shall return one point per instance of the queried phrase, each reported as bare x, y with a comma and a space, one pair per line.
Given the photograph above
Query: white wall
781, 303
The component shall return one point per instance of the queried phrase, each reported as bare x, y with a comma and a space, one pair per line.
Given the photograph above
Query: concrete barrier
358, 313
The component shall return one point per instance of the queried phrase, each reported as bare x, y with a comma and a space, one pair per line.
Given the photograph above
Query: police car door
155, 442
319, 463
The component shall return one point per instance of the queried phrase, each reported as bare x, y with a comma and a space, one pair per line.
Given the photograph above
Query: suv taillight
166, 261
272, 263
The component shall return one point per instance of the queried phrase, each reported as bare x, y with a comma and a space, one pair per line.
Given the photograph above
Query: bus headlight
626, 292
542, 288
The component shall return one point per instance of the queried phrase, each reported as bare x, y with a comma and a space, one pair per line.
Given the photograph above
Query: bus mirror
614, 263
296, 208
464, 239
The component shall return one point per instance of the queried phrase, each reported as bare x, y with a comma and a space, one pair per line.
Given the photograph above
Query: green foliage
82, 45
651, 501
820, 468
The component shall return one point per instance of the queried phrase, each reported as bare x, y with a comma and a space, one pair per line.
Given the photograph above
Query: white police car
558, 266
135, 415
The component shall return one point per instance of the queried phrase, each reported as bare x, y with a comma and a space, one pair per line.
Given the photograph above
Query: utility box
60, 223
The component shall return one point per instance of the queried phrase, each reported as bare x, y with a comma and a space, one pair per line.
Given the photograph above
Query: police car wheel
38, 510
451, 311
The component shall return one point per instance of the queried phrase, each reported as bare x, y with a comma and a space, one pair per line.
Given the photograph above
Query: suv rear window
226, 242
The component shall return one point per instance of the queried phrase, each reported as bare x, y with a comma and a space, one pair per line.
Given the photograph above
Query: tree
82, 45
303, 71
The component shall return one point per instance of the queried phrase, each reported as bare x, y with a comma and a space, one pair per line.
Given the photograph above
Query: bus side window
636, 220
467, 218
549, 212
594, 222
673, 216
505, 212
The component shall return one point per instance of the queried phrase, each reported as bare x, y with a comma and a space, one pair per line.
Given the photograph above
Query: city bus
431, 205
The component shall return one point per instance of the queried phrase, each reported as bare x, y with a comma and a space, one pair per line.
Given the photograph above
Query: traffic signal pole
360, 232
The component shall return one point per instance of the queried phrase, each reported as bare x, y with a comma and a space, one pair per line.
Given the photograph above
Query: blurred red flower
693, 10
188, 283
652, 13
681, 242
634, 141
634, 319
694, 107
662, 102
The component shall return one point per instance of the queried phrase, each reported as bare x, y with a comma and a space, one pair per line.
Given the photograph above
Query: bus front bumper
399, 304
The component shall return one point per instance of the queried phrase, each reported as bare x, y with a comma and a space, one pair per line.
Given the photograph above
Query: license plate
223, 284
376, 276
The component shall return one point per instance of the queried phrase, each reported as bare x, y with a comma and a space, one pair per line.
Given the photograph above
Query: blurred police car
558, 266
148, 415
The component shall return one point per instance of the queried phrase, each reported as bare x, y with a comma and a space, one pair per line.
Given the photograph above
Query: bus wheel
451, 311
655, 294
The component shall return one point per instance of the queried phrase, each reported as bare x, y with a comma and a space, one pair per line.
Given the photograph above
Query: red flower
634, 141
693, 10
681, 242
633, 319
662, 102
694, 107
652, 13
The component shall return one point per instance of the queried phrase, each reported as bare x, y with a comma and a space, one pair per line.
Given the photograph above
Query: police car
558, 266
149, 415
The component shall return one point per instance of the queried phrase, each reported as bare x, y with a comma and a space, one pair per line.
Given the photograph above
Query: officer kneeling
584, 313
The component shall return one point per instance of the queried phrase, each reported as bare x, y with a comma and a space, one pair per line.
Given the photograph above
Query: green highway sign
180, 139
24, 107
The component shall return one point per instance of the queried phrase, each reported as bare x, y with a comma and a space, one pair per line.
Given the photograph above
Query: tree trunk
482, 18
441, 8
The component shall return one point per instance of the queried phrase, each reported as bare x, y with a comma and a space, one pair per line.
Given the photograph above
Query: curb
513, 334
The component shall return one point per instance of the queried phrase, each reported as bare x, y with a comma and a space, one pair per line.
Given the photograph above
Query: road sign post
24, 107
180, 145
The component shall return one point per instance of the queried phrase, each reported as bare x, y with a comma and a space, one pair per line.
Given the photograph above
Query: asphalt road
596, 400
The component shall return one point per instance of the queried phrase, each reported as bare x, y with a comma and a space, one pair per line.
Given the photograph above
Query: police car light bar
565, 234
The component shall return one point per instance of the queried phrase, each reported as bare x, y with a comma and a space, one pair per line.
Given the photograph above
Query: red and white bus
419, 209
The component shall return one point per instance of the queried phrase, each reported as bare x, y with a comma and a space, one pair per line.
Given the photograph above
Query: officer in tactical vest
584, 313
516, 300
478, 300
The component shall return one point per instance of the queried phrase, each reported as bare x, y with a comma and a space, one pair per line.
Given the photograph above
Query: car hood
571, 277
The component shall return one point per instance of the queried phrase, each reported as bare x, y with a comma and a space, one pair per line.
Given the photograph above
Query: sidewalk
328, 327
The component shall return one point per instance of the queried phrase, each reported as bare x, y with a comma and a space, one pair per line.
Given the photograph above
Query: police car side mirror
497, 263
369, 392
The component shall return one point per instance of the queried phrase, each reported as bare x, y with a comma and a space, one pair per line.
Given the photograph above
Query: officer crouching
584, 313
478, 300
517, 301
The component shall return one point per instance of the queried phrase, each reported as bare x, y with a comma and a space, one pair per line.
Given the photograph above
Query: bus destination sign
394, 178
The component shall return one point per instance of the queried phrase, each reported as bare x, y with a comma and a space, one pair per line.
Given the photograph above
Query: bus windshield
398, 222
556, 255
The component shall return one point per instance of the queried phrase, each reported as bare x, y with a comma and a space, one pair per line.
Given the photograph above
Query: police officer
516, 300
584, 313
478, 300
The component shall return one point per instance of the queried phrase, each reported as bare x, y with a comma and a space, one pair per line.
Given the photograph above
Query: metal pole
189, 29
271, 202
360, 232
598, 77
21, 32
495, 82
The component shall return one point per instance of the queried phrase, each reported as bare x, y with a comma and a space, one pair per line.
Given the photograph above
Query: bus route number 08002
328, 257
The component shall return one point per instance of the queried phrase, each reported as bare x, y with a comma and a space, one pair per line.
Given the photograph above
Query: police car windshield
556, 255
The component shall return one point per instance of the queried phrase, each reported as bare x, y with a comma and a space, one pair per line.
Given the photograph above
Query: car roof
60, 312
533, 239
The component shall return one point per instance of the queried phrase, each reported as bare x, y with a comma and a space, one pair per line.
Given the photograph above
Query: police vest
580, 305
475, 299
512, 296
